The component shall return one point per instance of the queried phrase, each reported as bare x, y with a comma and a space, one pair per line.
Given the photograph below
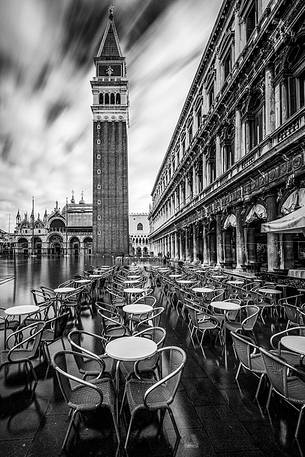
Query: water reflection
32, 273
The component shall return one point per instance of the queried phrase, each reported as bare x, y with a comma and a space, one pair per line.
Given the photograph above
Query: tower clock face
109, 70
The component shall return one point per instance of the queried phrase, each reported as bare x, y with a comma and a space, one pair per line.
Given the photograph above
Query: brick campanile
110, 161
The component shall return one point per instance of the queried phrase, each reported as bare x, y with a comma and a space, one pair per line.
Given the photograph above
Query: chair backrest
163, 391
218, 295
38, 297
147, 300
244, 347
29, 338
59, 324
252, 312
276, 370
60, 362
156, 334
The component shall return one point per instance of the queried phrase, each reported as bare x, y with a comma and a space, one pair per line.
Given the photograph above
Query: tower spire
110, 44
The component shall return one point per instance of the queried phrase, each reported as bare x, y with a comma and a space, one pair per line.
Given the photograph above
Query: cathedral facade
235, 162
69, 231
110, 162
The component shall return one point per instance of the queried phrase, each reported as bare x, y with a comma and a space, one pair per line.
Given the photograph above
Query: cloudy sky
46, 52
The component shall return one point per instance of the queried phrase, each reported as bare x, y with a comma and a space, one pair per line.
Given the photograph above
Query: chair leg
238, 371
116, 427
259, 385
129, 430
269, 397
299, 421
171, 415
162, 414
69, 429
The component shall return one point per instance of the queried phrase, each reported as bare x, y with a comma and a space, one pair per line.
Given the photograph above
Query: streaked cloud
46, 52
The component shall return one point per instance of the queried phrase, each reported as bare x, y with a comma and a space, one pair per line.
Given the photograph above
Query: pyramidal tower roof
110, 46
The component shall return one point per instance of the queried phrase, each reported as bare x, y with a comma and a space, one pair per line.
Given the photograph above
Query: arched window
255, 119
106, 99
118, 99
112, 99
140, 226
101, 99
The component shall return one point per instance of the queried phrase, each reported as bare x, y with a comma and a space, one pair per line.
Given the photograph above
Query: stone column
218, 157
243, 139
269, 101
236, 35
181, 255
251, 244
205, 253
204, 171
277, 105
176, 252
240, 240
219, 246
284, 101
172, 250
237, 139
272, 238
194, 243
195, 186
186, 244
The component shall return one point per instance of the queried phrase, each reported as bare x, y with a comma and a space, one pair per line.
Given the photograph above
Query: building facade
110, 162
138, 234
68, 231
236, 157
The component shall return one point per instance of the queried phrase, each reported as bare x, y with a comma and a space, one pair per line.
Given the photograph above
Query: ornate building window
101, 99
293, 86
106, 99
255, 119
251, 19
118, 99
211, 95
140, 226
112, 99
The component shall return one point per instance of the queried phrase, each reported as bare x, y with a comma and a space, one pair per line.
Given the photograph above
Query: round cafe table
131, 281
225, 305
270, 291
129, 349
82, 281
64, 290
21, 311
185, 281
235, 283
130, 291
202, 290
174, 276
136, 309
134, 276
95, 276
218, 277
294, 343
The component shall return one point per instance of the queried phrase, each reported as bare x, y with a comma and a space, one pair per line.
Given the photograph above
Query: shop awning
291, 223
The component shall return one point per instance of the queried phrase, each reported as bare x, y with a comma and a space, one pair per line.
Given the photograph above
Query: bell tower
110, 160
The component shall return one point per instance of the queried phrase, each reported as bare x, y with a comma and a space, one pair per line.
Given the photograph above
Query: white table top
185, 281
174, 276
202, 290
129, 348
82, 281
294, 343
21, 310
218, 276
95, 276
270, 291
133, 290
225, 305
134, 276
235, 282
131, 281
64, 290
137, 308
199, 271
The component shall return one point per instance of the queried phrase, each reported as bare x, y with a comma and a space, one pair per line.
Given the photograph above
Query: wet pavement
215, 415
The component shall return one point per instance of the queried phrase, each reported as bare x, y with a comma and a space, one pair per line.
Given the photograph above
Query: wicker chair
157, 395
200, 323
85, 396
245, 320
23, 347
90, 367
249, 357
287, 381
